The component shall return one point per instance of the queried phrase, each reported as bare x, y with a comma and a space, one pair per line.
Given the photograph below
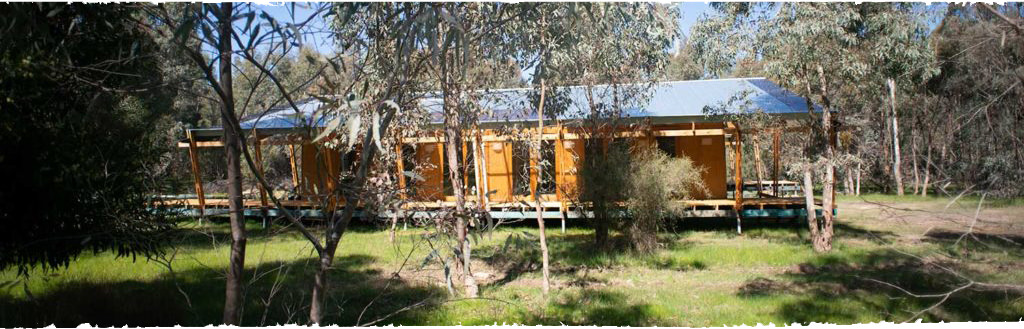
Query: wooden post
465, 173
295, 171
560, 175
257, 146
401, 170
193, 154
400, 166
484, 185
776, 145
475, 145
738, 179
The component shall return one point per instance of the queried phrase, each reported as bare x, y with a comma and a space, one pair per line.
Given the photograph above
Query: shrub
632, 191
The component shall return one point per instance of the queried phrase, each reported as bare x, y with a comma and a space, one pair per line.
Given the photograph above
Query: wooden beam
738, 171
556, 136
264, 204
295, 171
484, 185
477, 171
401, 170
193, 143
776, 146
194, 159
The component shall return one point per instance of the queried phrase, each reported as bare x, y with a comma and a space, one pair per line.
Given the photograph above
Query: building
691, 118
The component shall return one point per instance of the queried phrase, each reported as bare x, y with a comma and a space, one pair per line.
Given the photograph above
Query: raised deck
714, 208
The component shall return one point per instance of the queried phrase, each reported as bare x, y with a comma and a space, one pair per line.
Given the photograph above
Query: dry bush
647, 180
655, 180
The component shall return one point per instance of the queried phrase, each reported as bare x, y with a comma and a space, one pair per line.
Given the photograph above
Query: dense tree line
85, 127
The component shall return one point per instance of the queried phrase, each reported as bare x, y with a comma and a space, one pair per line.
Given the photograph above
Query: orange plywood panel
568, 157
428, 161
499, 170
319, 165
709, 153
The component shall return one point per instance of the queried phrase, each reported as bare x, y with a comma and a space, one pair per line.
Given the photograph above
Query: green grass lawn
705, 275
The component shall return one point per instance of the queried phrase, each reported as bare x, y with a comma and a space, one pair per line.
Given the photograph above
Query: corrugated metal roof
676, 99
284, 116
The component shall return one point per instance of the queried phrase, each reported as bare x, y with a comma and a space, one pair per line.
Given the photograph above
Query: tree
589, 60
809, 48
194, 27
84, 112
973, 126
895, 42
826, 53
682, 65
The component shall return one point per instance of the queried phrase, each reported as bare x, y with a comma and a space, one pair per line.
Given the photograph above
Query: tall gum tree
809, 48
625, 49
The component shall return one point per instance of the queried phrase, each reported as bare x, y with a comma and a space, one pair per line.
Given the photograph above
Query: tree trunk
812, 217
913, 160
896, 163
453, 134
394, 225
232, 151
536, 191
828, 188
857, 188
316, 304
338, 226
927, 168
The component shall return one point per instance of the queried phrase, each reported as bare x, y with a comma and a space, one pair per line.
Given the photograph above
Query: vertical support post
401, 170
475, 145
400, 166
264, 205
484, 185
295, 171
776, 144
738, 171
193, 155
534, 172
561, 212
560, 175
465, 165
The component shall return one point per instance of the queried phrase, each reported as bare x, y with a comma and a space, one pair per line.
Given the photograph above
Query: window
546, 177
520, 169
409, 165
667, 145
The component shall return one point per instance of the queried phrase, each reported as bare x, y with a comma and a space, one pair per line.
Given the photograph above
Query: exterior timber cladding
691, 118
508, 171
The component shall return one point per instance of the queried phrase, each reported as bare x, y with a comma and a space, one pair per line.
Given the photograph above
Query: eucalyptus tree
194, 27
974, 125
617, 63
463, 39
207, 34
895, 42
811, 49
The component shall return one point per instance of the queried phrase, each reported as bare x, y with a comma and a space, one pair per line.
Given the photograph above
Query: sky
689, 13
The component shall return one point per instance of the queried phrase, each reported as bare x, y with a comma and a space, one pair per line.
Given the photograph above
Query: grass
705, 275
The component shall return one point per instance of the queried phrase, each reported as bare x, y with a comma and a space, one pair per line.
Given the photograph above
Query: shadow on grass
843, 290
586, 307
577, 253
276, 293
977, 242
